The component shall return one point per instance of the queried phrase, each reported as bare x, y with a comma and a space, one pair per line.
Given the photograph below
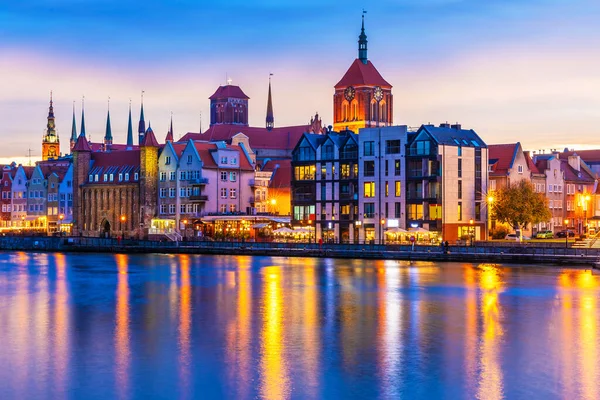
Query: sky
513, 70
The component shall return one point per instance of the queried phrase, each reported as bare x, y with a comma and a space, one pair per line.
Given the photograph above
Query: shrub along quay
480, 252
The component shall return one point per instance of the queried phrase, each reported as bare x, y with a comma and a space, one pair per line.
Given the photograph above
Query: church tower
73, 131
229, 106
270, 119
50, 142
362, 99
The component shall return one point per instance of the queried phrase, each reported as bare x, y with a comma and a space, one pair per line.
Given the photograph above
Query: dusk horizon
512, 72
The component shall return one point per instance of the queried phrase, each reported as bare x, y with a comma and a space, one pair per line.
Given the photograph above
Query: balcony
200, 197
199, 181
304, 197
259, 183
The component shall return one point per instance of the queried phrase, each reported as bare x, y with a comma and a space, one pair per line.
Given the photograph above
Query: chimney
575, 162
456, 126
444, 125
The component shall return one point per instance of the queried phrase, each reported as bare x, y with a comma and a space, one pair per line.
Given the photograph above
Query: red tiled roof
28, 171
205, 150
229, 91
362, 74
82, 144
112, 147
573, 175
282, 138
586, 155
115, 162
59, 169
282, 173
504, 154
150, 139
531, 165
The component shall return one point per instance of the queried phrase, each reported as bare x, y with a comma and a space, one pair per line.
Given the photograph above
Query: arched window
373, 111
382, 111
345, 115
354, 110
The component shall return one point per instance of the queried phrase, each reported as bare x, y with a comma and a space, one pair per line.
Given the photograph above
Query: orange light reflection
122, 349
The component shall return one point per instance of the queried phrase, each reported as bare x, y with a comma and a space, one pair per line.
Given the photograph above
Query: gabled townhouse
19, 196
553, 188
580, 185
446, 182
65, 201
6, 181
54, 173
37, 192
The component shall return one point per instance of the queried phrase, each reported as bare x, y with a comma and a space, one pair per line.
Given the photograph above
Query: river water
89, 326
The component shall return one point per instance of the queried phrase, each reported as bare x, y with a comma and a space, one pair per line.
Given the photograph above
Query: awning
260, 226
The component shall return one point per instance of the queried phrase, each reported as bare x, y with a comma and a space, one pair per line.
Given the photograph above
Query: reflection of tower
50, 143
362, 97
270, 119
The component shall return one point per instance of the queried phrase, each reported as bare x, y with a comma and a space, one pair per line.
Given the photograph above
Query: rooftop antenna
29, 154
200, 121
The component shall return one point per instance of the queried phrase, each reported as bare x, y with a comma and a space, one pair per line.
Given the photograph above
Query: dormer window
135, 176
111, 177
96, 178
223, 160
91, 178
233, 161
127, 176
105, 177
120, 177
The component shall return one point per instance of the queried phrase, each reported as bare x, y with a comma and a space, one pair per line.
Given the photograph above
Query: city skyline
512, 71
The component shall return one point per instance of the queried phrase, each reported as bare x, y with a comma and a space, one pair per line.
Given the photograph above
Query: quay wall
500, 253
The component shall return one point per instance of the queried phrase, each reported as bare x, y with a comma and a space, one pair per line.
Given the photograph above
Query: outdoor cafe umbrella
396, 230
419, 230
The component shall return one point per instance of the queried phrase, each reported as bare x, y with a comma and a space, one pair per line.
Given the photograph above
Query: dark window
387, 168
460, 168
369, 168
328, 154
478, 211
369, 210
369, 149
397, 168
304, 153
323, 192
397, 208
460, 189
392, 147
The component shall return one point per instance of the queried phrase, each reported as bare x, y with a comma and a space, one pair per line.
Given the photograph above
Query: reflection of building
446, 181
362, 98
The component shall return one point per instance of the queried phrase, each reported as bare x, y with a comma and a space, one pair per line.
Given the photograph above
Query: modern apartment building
446, 182
381, 181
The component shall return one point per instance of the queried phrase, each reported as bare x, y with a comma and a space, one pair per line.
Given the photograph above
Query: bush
500, 232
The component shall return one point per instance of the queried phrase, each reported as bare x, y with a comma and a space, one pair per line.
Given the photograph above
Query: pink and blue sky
513, 70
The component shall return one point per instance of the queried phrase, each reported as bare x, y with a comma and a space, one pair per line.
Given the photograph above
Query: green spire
362, 42
82, 130
129, 130
74, 127
108, 134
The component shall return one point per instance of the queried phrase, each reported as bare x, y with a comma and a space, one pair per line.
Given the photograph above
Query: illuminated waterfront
157, 326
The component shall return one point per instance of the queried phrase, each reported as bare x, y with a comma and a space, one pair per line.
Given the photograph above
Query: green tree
519, 205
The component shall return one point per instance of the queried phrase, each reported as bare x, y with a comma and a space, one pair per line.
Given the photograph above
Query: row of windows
369, 189
232, 160
232, 176
183, 175
111, 177
232, 193
36, 207
183, 208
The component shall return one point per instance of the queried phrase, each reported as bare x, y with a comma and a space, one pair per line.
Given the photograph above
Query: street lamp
273, 204
123, 219
566, 234
585, 207
60, 218
490, 201
381, 230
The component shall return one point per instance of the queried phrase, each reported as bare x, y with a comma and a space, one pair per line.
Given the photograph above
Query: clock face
349, 93
378, 93
52, 151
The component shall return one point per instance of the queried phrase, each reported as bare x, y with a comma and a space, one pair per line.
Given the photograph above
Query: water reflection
122, 349
185, 324
61, 326
274, 380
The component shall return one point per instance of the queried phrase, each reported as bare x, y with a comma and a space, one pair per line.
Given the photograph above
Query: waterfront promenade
493, 252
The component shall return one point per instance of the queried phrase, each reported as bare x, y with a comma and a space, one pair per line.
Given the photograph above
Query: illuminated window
369, 189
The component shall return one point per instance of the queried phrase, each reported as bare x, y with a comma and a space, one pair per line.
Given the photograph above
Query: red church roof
82, 144
362, 74
283, 138
228, 91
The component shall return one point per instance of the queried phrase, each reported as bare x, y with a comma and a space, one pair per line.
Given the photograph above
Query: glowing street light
566, 233
490, 200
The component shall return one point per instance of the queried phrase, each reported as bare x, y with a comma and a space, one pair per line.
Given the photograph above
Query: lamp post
471, 230
60, 218
381, 230
123, 219
23, 224
490, 201
585, 207
273, 204
566, 234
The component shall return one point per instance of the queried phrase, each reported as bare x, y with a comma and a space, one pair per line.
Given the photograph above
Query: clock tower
50, 142
362, 99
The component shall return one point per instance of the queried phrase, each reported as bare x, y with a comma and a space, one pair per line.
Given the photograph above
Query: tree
519, 205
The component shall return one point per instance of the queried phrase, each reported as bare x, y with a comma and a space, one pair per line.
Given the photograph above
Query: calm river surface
199, 327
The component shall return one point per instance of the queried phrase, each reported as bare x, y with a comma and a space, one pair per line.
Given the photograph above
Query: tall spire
362, 42
51, 126
108, 135
169, 137
82, 130
142, 123
270, 119
73, 130
129, 130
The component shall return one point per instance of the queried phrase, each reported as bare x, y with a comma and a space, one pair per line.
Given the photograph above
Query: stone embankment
484, 252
